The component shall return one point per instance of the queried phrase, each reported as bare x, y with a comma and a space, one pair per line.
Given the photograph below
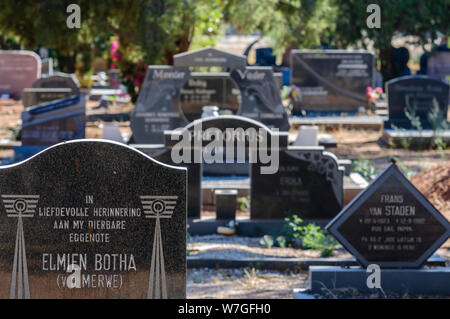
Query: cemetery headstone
331, 80
158, 106
416, 95
308, 183
33, 96
59, 80
260, 97
392, 230
390, 224
209, 89
18, 70
55, 122
438, 65
47, 66
81, 220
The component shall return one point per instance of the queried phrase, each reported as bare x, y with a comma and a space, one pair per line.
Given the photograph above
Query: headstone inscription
59, 80
308, 183
416, 95
18, 70
390, 224
69, 231
209, 89
33, 96
331, 80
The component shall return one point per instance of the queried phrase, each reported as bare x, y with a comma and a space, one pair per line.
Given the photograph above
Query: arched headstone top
209, 57
59, 80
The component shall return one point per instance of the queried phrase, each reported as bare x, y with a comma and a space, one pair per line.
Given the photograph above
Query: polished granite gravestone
18, 70
308, 183
34, 96
416, 94
158, 105
54, 122
260, 97
92, 219
389, 225
59, 80
209, 57
202, 89
331, 80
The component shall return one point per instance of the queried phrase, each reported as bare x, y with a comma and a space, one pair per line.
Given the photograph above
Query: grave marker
59, 80
92, 219
331, 80
18, 70
415, 93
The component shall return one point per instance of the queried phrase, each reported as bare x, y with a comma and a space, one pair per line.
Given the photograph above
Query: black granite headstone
438, 65
331, 80
309, 183
203, 89
158, 106
390, 223
59, 80
92, 219
415, 94
260, 95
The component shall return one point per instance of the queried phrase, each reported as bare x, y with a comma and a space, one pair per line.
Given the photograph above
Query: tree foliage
423, 19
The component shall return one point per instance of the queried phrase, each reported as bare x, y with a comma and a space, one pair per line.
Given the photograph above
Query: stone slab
430, 281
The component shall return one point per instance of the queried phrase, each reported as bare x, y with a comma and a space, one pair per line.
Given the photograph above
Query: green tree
423, 19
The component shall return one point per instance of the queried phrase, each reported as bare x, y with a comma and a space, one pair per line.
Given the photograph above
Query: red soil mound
434, 183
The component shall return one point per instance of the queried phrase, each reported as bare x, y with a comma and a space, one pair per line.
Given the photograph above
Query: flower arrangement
373, 94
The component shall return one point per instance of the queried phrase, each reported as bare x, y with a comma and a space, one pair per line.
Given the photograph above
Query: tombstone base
413, 137
433, 281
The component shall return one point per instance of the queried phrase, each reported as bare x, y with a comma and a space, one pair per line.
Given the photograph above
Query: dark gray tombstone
331, 80
438, 65
416, 94
209, 57
54, 122
33, 96
92, 219
309, 183
225, 204
59, 80
390, 224
260, 97
158, 106
18, 70
209, 89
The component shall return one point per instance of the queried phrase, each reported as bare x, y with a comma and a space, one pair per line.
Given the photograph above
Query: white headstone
307, 136
112, 132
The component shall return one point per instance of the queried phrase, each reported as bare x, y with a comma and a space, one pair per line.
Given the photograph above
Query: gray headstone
209, 57
331, 80
59, 80
415, 93
390, 223
96, 211
18, 70
33, 96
